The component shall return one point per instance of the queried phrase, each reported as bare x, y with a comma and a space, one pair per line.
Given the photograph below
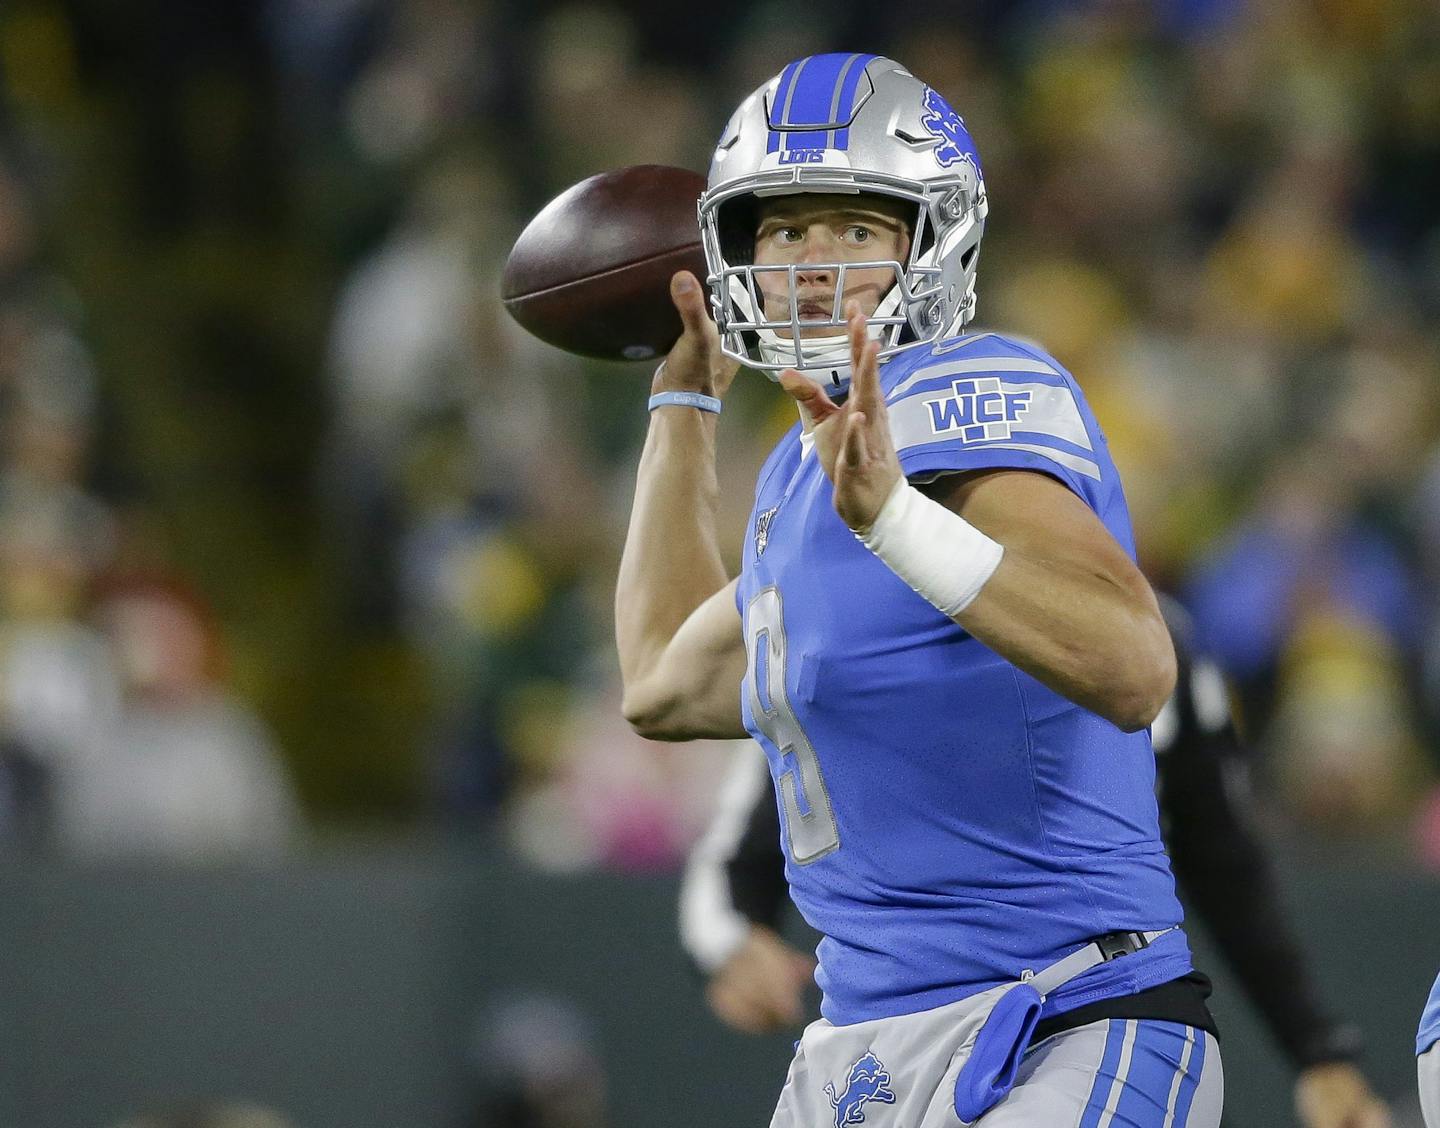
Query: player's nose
821, 245
821, 274
817, 260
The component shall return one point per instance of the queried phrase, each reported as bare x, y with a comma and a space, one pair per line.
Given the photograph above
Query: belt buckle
1113, 945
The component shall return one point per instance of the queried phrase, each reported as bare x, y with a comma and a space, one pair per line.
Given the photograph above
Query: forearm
1025, 567
671, 562
1095, 639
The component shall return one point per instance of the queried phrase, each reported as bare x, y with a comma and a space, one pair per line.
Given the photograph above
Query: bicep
694, 691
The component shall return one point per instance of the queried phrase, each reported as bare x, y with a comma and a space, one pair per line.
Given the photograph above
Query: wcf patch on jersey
978, 409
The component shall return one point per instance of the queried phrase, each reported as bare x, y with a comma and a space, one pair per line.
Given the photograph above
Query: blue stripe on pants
1158, 1058
1105, 1075
1191, 1081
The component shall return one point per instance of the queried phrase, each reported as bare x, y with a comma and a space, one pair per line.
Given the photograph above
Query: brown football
591, 273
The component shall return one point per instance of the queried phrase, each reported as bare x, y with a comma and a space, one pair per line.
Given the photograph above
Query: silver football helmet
843, 123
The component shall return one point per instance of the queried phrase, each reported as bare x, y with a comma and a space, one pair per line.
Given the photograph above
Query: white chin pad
824, 361
835, 381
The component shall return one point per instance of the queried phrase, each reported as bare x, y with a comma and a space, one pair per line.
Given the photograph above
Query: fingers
855, 329
689, 298
809, 395
739, 1011
754, 1006
1375, 1115
864, 364
854, 450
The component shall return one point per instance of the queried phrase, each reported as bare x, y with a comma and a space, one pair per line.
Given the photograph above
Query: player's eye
787, 235
858, 233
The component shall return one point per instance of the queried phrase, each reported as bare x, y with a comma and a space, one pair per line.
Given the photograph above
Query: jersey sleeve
1012, 409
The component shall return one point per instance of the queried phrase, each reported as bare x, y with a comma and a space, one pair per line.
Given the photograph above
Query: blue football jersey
1429, 1020
948, 821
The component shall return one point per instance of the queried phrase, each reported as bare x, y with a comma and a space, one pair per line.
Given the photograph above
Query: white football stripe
1122, 1072
1180, 1076
989, 365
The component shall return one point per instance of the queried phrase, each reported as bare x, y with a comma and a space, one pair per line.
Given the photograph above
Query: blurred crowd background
298, 531
299, 534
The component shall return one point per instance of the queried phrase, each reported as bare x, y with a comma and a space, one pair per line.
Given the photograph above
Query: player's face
817, 231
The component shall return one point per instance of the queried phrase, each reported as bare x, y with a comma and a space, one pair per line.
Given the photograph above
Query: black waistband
1180, 1000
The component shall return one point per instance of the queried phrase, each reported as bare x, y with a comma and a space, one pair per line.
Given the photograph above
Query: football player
938, 635
733, 898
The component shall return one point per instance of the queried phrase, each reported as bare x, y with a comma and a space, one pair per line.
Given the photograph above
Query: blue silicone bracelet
685, 399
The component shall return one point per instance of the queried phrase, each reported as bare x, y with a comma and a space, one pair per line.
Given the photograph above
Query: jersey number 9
804, 799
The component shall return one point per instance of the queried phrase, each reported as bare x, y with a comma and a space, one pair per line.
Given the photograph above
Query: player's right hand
695, 363
852, 439
760, 989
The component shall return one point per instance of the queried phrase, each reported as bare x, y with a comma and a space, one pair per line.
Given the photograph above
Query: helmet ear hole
967, 257
736, 221
924, 237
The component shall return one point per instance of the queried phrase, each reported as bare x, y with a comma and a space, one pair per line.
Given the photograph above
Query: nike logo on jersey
762, 529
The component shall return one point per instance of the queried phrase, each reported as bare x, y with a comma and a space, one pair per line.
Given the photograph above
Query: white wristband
938, 553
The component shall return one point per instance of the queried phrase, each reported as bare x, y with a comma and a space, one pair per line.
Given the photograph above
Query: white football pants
1114, 1073
1428, 1064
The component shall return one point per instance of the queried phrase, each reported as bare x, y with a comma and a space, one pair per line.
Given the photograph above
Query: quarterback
938, 635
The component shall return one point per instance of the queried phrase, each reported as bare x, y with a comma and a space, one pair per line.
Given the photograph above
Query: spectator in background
1223, 202
116, 740
1425, 515
58, 691
1314, 605
449, 479
185, 772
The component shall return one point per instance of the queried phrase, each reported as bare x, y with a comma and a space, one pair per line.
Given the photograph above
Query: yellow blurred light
499, 589
37, 56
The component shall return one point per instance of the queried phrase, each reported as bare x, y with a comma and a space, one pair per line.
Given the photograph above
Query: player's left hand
852, 439
1336, 1095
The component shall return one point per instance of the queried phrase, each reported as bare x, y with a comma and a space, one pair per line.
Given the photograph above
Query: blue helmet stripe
784, 90
808, 106
810, 139
814, 96
845, 99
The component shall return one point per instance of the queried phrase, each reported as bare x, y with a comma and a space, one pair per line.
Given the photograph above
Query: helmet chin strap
826, 360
